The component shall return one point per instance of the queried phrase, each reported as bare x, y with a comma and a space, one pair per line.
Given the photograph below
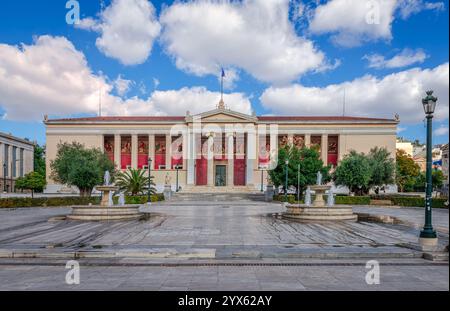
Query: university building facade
218, 150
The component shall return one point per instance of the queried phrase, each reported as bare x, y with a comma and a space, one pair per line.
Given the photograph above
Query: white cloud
405, 58
52, 77
353, 22
155, 83
49, 76
253, 35
128, 29
177, 102
441, 131
409, 7
366, 96
122, 86
401, 129
230, 79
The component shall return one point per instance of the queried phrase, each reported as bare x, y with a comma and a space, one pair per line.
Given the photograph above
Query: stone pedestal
269, 193
428, 244
105, 193
167, 192
319, 191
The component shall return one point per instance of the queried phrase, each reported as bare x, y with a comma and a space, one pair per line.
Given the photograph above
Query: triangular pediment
223, 115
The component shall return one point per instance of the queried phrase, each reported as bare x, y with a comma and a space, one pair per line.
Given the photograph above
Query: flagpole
221, 87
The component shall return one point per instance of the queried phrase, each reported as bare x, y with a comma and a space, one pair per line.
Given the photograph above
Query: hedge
389, 196
67, 201
356, 200
140, 199
47, 201
418, 202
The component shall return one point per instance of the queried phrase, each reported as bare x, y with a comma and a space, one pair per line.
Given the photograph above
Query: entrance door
221, 175
201, 171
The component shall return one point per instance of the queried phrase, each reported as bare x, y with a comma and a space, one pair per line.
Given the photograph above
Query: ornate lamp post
286, 182
177, 167
262, 179
428, 234
149, 196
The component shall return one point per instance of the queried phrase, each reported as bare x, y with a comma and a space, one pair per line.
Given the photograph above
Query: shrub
47, 201
140, 199
389, 196
280, 197
348, 200
419, 202
68, 201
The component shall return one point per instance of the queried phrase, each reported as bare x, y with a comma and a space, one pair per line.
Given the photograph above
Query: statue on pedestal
107, 178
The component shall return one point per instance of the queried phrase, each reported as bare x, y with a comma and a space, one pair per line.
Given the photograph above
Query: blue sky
280, 57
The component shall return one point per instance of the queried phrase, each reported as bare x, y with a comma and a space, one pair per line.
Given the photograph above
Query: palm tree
133, 182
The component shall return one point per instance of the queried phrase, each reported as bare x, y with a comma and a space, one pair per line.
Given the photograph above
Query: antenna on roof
100, 102
343, 105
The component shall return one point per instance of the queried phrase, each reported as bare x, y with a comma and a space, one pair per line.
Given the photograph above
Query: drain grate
221, 264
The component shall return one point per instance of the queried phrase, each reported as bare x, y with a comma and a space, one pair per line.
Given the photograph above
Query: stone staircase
215, 194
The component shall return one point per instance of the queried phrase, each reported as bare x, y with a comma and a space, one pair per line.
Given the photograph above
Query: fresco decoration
283, 140
299, 141
316, 143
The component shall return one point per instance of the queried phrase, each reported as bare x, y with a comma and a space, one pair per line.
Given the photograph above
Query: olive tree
76, 165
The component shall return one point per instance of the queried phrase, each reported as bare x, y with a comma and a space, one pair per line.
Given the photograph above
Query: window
21, 163
14, 161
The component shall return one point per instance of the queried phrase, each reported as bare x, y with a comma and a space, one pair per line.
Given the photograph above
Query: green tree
78, 166
33, 181
355, 172
39, 159
310, 164
134, 182
406, 171
420, 181
382, 168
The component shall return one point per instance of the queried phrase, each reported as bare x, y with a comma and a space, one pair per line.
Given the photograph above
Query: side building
16, 158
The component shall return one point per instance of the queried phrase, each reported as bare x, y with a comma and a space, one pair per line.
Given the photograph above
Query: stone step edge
211, 254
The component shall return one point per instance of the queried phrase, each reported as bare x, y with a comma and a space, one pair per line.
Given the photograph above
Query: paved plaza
235, 245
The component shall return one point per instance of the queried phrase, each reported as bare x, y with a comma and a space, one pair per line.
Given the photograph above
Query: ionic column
117, 151
308, 140
151, 149
324, 148
210, 179
168, 152
291, 139
134, 151
191, 159
230, 157
2, 152
342, 146
251, 157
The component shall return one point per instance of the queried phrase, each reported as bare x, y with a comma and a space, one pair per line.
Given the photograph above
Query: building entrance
221, 175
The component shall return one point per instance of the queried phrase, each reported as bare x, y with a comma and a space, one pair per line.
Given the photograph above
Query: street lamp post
262, 179
149, 195
428, 234
286, 182
177, 167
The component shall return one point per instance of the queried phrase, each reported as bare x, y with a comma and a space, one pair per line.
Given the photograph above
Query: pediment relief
223, 115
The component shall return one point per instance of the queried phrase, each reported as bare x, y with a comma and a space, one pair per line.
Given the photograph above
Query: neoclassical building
16, 160
218, 150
